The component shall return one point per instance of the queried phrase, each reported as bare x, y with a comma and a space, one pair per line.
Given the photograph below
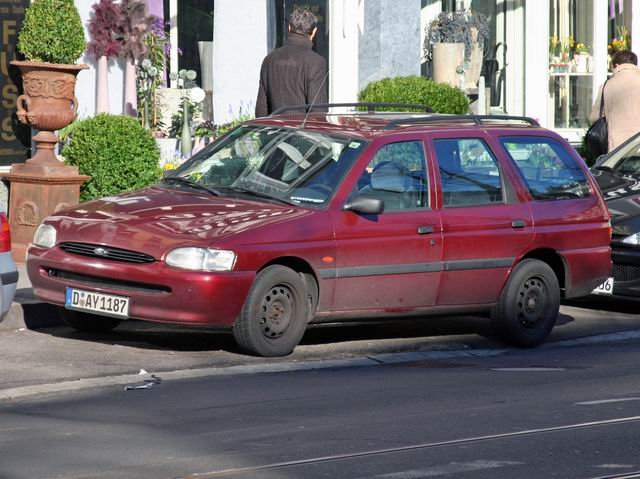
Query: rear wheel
87, 322
528, 306
274, 316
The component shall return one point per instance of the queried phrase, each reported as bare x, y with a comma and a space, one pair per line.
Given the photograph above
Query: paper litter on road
147, 384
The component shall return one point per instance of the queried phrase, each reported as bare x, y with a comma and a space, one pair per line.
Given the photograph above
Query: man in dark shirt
293, 74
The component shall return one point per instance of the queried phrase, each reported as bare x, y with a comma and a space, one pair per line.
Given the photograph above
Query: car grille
626, 272
99, 282
106, 252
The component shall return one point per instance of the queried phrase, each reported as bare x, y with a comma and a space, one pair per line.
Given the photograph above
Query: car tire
87, 322
274, 316
528, 306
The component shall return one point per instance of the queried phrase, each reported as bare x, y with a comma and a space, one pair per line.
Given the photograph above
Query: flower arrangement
136, 26
581, 48
563, 52
185, 80
457, 27
621, 42
106, 29
149, 76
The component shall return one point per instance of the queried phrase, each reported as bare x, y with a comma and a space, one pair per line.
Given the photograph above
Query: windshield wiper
190, 183
604, 168
260, 194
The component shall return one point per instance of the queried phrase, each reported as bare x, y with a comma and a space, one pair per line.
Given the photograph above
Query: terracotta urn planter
48, 104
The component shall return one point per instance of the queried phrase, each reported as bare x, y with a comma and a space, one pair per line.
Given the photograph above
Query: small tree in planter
51, 39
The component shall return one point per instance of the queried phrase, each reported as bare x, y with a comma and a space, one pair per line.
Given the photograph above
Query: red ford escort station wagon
323, 217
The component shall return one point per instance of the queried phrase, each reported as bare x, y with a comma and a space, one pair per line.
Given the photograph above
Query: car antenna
314, 99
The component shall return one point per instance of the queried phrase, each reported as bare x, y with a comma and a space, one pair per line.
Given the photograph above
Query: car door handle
518, 224
425, 230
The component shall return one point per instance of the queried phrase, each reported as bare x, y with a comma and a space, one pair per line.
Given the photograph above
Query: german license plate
104, 304
605, 288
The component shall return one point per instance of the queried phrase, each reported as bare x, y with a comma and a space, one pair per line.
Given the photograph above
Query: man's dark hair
624, 56
302, 21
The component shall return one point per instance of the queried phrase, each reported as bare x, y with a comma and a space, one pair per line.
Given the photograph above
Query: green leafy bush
52, 32
116, 151
441, 97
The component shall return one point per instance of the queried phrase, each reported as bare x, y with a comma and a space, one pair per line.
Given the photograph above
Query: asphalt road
569, 412
406, 399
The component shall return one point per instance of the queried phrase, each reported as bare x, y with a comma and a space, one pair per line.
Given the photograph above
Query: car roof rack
371, 107
477, 119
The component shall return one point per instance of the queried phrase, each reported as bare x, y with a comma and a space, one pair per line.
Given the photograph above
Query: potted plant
581, 57
454, 43
51, 39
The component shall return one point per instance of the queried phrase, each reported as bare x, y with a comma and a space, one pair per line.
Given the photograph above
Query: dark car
326, 217
618, 175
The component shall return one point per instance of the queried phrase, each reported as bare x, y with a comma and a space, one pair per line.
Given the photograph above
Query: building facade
538, 71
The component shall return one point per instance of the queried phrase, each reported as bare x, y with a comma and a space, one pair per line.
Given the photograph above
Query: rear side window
468, 172
547, 168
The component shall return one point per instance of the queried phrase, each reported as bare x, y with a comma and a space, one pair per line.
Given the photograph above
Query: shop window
195, 26
570, 63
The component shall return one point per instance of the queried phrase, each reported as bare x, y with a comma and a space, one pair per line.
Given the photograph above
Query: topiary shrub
441, 97
52, 32
116, 151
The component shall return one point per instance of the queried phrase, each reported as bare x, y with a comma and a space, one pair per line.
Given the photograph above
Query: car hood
155, 219
622, 194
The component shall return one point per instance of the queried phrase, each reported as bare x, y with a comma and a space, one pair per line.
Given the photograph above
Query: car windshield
274, 164
625, 160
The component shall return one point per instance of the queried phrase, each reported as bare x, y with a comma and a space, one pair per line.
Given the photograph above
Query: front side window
397, 175
469, 173
547, 168
283, 164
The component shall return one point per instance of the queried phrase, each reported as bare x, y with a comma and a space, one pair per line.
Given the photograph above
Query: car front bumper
157, 292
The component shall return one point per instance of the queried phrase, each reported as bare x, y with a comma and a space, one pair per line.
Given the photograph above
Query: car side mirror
364, 205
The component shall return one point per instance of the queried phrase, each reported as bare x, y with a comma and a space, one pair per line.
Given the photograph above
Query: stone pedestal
36, 192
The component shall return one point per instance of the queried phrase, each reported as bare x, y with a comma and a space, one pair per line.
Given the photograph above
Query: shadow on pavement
605, 303
147, 335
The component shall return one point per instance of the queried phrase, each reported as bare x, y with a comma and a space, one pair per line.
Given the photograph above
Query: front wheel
87, 322
274, 316
528, 306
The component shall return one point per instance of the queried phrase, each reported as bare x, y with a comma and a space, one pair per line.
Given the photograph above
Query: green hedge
116, 151
52, 32
442, 97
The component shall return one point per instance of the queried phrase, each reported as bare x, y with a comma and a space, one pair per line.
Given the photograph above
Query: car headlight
633, 239
201, 259
45, 236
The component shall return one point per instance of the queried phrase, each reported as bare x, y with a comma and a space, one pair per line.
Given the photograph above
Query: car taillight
5, 234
